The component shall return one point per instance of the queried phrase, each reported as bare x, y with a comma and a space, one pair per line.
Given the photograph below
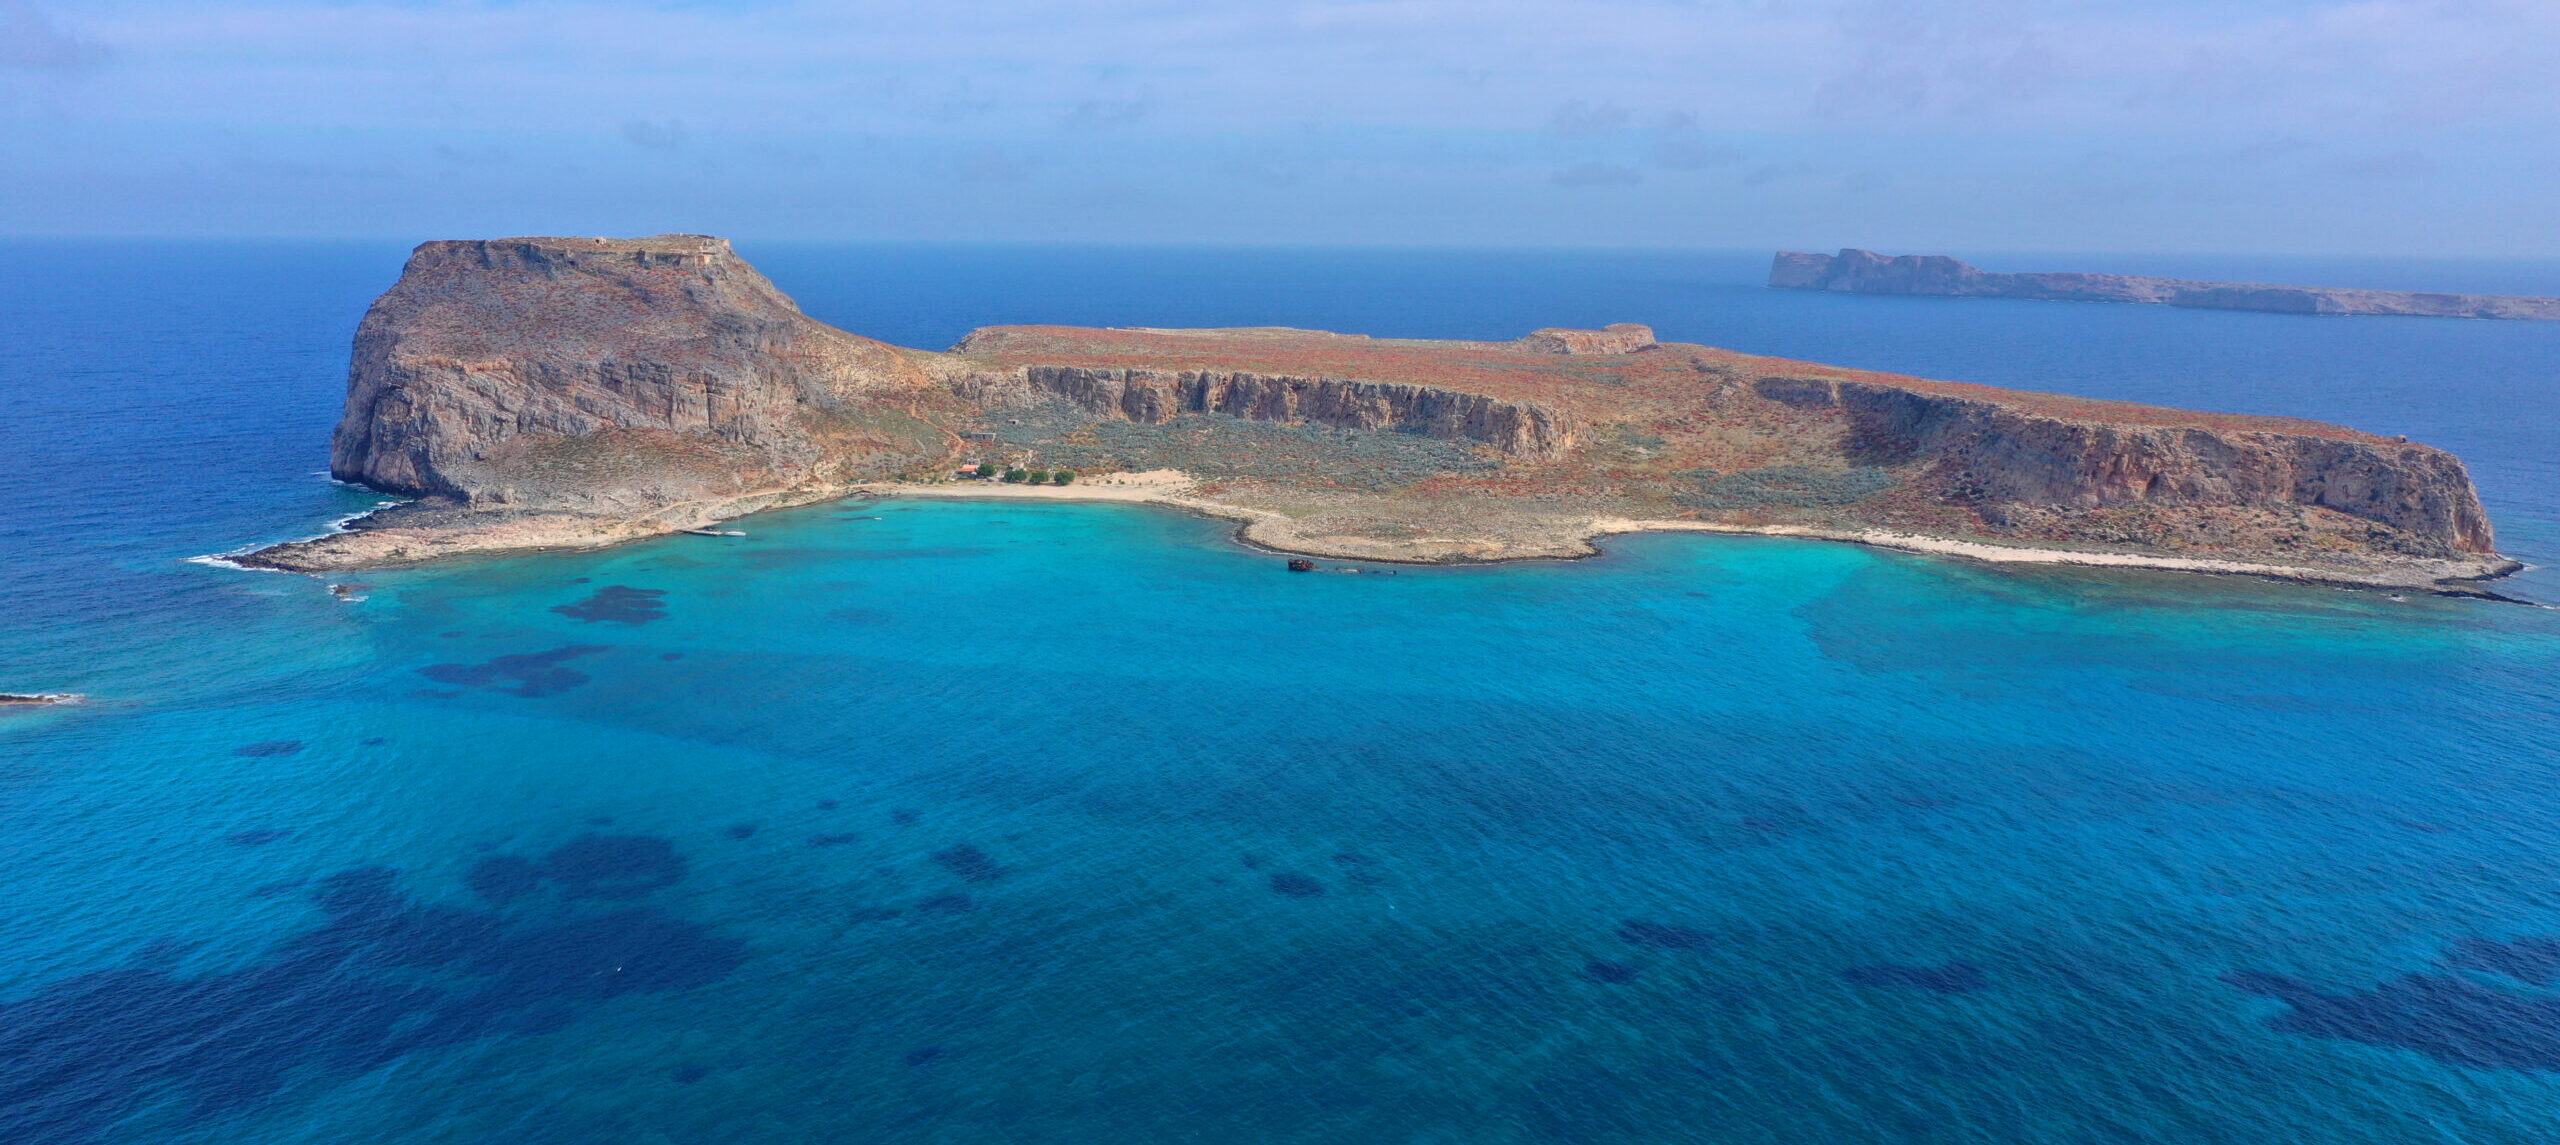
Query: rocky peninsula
1866, 272
545, 392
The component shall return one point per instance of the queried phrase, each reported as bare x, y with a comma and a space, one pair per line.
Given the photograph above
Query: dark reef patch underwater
968, 862
265, 748
1297, 886
1123, 834
619, 604
385, 977
1613, 973
2449, 1017
528, 674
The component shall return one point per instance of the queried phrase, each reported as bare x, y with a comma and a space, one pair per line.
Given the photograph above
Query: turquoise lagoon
979, 821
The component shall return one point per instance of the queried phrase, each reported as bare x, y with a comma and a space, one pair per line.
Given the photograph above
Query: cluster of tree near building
1017, 475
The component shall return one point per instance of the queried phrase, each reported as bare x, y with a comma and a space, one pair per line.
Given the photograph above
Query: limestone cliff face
1989, 454
593, 374
1523, 429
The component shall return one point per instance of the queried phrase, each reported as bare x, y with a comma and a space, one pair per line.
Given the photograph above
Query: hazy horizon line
1766, 250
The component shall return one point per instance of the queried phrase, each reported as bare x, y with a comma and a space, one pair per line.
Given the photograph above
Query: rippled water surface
946, 822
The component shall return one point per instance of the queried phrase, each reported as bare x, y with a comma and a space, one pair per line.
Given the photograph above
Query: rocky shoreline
400, 543
1275, 533
414, 533
559, 393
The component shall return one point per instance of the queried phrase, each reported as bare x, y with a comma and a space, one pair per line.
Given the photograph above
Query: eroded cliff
583, 374
572, 391
1520, 429
1983, 453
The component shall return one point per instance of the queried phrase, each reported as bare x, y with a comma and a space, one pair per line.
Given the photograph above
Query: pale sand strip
1154, 485
2012, 554
1280, 533
1275, 531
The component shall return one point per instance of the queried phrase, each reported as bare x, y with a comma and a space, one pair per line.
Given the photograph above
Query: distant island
545, 392
1866, 272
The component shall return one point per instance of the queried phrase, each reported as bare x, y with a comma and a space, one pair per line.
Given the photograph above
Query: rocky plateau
1855, 271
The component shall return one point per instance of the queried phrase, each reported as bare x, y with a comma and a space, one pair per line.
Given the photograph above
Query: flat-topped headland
1866, 272
542, 392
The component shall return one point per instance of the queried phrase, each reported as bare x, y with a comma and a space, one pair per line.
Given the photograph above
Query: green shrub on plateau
1222, 445
1782, 487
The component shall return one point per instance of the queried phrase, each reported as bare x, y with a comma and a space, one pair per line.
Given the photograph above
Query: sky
2365, 127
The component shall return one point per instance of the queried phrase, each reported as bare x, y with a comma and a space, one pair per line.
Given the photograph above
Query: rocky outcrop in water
1866, 272
543, 392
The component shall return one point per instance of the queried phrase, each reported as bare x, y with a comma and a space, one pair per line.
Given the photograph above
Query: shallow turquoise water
1082, 823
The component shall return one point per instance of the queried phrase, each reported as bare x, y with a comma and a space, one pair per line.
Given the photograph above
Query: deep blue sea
986, 822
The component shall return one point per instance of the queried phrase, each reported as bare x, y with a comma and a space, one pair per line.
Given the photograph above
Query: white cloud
1089, 114
990, 165
1581, 119
1581, 67
1595, 175
1679, 145
1416, 103
656, 136
30, 40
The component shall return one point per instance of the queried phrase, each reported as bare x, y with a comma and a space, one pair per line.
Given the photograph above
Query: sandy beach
1280, 533
1559, 538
